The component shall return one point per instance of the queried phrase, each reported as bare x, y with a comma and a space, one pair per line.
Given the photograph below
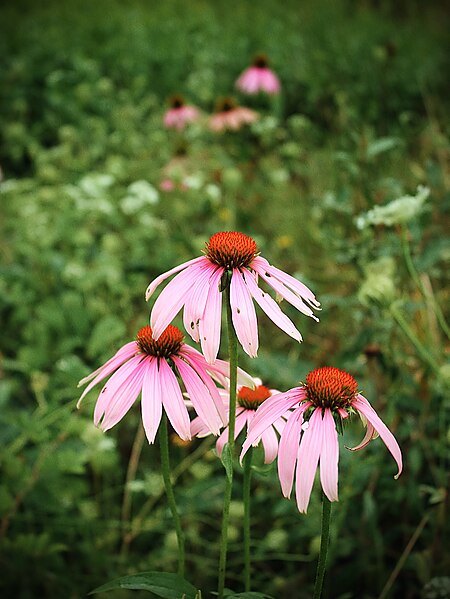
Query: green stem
165, 468
416, 278
321, 566
233, 358
246, 499
423, 353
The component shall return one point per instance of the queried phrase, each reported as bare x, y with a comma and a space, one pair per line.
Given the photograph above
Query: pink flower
230, 258
167, 185
180, 114
230, 116
259, 78
310, 434
154, 367
248, 400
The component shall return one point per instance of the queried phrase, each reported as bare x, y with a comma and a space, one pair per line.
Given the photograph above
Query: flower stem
321, 566
165, 468
233, 359
246, 499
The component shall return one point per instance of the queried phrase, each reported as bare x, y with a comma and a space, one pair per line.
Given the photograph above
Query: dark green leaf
162, 584
227, 460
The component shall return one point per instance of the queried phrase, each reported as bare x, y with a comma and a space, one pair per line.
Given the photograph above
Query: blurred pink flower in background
167, 185
230, 116
150, 367
259, 78
328, 394
180, 114
248, 400
230, 258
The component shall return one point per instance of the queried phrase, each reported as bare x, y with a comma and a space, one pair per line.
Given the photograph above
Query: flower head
310, 434
180, 114
154, 367
230, 116
233, 259
259, 78
248, 401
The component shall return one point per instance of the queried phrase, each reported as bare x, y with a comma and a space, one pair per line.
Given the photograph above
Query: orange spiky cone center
330, 387
168, 344
251, 399
231, 249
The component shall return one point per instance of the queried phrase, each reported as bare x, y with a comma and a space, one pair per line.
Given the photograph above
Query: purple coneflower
310, 434
259, 78
180, 114
230, 116
233, 259
248, 401
154, 367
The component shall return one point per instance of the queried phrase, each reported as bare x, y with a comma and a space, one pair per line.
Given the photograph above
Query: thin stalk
131, 475
233, 359
416, 278
246, 499
423, 353
165, 469
324, 541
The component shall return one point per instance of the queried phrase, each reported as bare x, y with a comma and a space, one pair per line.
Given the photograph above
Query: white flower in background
140, 193
379, 285
399, 211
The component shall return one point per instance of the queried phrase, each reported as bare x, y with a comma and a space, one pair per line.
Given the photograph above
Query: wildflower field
276, 176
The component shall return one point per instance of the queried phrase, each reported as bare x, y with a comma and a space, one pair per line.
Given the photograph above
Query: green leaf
161, 584
249, 595
227, 460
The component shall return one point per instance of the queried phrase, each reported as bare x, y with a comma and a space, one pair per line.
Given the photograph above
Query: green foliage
161, 584
84, 226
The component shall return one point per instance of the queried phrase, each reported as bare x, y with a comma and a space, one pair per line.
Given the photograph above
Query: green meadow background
84, 226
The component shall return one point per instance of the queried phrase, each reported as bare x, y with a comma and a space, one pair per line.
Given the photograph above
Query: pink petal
271, 308
370, 432
268, 412
199, 395
200, 367
154, 284
241, 419
196, 302
113, 386
124, 398
173, 401
286, 294
244, 315
172, 298
211, 320
308, 459
329, 457
261, 265
199, 428
112, 364
288, 450
270, 443
363, 406
151, 403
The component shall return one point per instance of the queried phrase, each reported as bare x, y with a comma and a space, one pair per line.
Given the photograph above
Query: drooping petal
244, 315
172, 298
200, 367
124, 398
260, 264
125, 352
196, 301
173, 401
308, 459
113, 385
287, 294
154, 284
241, 419
151, 403
288, 450
211, 320
269, 411
270, 443
271, 308
363, 406
329, 457
370, 432
199, 428
199, 395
